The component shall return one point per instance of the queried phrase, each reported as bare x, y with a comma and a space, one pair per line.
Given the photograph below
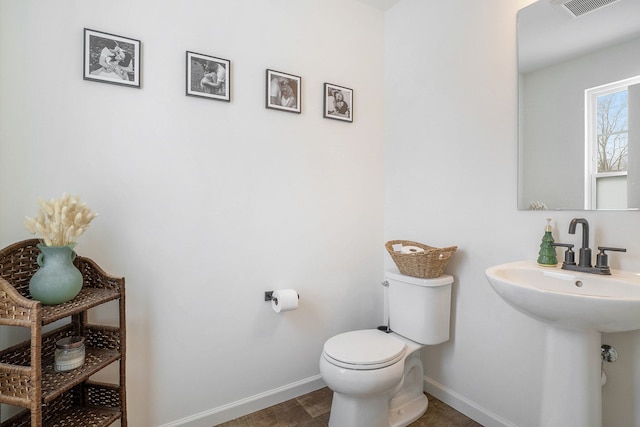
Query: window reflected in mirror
607, 144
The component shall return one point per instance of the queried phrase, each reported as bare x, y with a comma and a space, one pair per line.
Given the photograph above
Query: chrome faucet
584, 254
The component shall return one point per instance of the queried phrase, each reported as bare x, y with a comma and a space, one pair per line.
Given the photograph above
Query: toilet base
359, 412
375, 411
397, 407
409, 412
409, 402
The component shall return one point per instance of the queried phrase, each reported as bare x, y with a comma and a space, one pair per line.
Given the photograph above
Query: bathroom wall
204, 205
450, 179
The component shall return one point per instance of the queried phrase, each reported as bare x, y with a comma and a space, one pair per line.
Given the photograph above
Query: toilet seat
364, 350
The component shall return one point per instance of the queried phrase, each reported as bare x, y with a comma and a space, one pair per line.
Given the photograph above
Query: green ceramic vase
57, 280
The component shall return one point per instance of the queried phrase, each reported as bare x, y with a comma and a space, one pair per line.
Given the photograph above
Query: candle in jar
69, 353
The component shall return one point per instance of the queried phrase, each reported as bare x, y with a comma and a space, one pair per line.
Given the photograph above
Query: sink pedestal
571, 386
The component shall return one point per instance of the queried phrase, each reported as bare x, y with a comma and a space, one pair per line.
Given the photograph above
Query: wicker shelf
55, 383
27, 375
88, 298
67, 412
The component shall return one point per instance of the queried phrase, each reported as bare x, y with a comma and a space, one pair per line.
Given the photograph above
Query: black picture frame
113, 59
341, 108
208, 77
283, 91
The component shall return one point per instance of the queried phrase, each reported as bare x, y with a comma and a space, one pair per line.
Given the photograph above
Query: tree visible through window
606, 145
612, 132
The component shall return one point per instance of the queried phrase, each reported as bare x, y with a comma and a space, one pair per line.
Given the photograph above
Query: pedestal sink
576, 308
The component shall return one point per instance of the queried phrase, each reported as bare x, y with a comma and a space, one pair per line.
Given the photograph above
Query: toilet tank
419, 309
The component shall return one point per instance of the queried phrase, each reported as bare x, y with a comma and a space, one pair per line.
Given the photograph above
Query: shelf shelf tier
88, 404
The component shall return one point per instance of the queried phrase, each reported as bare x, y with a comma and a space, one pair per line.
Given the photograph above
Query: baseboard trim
251, 404
260, 401
464, 405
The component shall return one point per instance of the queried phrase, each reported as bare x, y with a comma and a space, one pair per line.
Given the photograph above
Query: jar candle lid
70, 342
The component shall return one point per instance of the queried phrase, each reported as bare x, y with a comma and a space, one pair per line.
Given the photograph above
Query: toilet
376, 375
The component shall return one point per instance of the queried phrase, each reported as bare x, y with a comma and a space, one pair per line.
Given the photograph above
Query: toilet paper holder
268, 296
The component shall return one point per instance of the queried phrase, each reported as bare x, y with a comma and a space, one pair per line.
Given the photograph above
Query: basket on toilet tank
427, 263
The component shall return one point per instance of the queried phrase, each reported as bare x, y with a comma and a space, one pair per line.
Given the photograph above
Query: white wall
204, 202
450, 178
205, 205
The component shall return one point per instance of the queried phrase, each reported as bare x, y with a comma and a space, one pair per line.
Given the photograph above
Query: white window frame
591, 136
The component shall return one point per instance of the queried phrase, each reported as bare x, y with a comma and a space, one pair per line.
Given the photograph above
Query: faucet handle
606, 248
569, 254
602, 259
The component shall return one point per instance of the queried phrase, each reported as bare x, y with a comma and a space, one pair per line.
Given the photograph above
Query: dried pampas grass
60, 221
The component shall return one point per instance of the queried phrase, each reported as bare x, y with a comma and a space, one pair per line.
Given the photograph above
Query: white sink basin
569, 299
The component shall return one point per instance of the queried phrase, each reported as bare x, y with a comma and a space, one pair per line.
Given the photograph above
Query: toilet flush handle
385, 284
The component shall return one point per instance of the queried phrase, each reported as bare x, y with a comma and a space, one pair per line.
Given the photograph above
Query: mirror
569, 63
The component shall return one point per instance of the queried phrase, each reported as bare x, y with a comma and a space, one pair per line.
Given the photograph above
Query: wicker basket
427, 265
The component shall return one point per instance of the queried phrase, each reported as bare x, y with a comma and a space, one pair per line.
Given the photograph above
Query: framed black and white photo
111, 59
338, 102
208, 77
284, 91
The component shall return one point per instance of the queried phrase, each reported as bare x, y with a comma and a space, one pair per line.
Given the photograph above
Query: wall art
111, 59
208, 77
338, 102
284, 91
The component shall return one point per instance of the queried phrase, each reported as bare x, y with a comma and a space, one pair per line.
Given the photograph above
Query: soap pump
547, 254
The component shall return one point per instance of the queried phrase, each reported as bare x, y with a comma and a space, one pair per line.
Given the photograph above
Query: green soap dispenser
547, 255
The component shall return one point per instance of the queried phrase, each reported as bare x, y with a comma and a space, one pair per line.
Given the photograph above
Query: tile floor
312, 410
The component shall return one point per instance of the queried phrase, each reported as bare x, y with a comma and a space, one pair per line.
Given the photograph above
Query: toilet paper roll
410, 249
284, 300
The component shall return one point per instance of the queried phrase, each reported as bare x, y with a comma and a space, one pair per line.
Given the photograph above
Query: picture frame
338, 103
208, 77
283, 91
109, 58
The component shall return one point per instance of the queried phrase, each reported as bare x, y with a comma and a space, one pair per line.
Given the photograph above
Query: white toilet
377, 377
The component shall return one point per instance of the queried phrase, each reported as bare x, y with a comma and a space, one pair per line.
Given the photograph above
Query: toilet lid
367, 349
